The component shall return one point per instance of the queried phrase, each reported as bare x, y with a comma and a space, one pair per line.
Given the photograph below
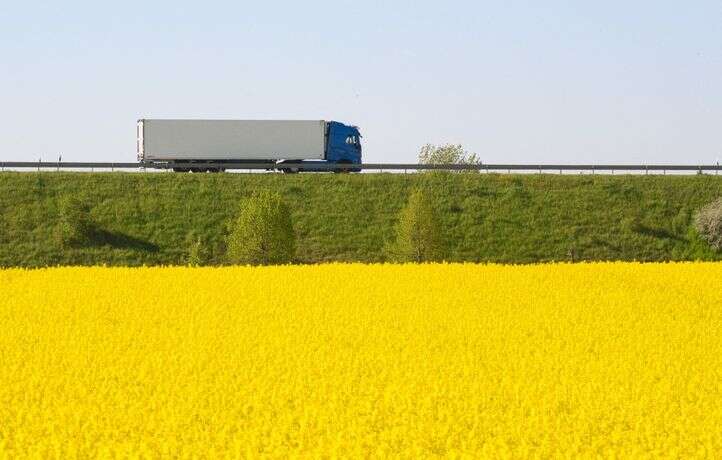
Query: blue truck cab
343, 143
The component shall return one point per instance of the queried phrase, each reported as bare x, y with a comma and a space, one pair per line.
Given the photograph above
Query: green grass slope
153, 218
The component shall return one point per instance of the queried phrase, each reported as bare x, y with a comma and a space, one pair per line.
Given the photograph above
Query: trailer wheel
181, 170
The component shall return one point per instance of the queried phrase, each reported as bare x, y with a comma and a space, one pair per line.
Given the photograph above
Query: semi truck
198, 145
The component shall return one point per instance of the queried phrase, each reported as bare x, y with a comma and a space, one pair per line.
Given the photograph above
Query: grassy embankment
152, 218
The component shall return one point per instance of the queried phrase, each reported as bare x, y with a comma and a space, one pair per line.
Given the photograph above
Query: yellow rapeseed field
406, 361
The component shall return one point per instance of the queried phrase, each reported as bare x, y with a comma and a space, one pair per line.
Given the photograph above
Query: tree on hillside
418, 232
447, 154
708, 223
262, 234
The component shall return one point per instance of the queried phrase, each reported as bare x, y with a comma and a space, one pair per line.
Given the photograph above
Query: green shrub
680, 222
3, 225
262, 233
418, 232
75, 227
708, 223
633, 224
197, 252
448, 154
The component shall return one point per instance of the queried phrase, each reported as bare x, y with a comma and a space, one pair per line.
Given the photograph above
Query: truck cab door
344, 144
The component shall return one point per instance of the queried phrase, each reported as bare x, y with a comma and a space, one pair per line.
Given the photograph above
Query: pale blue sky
515, 81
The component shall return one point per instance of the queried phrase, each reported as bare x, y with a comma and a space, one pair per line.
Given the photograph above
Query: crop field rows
409, 361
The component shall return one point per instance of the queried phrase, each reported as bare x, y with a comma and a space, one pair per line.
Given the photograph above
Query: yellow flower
459, 361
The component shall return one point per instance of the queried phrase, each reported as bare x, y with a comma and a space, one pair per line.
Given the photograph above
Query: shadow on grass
118, 240
657, 232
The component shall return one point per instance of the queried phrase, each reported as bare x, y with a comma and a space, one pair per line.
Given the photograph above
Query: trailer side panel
162, 140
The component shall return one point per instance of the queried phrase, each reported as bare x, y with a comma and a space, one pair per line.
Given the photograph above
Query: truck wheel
181, 170
289, 170
341, 170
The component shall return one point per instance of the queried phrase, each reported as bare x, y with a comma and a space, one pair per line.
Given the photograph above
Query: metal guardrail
369, 166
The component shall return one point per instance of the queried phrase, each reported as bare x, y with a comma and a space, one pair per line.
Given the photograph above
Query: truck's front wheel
341, 167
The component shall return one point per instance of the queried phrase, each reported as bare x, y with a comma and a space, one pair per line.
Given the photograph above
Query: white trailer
181, 143
164, 140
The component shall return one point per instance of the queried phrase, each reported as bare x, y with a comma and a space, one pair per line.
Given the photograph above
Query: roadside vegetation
75, 227
448, 154
708, 222
197, 252
155, 218
418, 233
262, 234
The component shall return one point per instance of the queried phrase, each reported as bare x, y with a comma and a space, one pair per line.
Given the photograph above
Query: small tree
447, 154
75, 226
262, 233
708, 223
197, 252
418, 232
